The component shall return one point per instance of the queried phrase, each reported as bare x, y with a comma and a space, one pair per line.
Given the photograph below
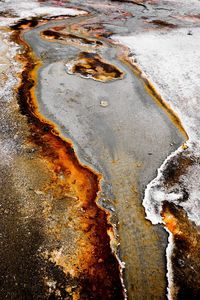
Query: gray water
126, 142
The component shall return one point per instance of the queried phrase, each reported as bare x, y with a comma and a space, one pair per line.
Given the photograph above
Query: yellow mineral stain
91, 65
87, 254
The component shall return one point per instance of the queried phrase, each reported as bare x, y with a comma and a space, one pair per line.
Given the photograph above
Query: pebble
104, 103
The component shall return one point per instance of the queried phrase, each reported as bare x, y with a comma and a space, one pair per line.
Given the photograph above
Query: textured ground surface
83, 132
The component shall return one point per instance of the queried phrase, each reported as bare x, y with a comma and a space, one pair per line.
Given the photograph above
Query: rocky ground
95, 97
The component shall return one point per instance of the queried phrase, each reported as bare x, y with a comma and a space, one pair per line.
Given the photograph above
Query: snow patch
170, 60
27, 9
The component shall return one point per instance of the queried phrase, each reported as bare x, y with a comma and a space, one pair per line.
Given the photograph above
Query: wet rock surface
77, 155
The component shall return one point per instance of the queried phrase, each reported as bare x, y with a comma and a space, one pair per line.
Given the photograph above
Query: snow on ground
171, 59
18, 9
8, 80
